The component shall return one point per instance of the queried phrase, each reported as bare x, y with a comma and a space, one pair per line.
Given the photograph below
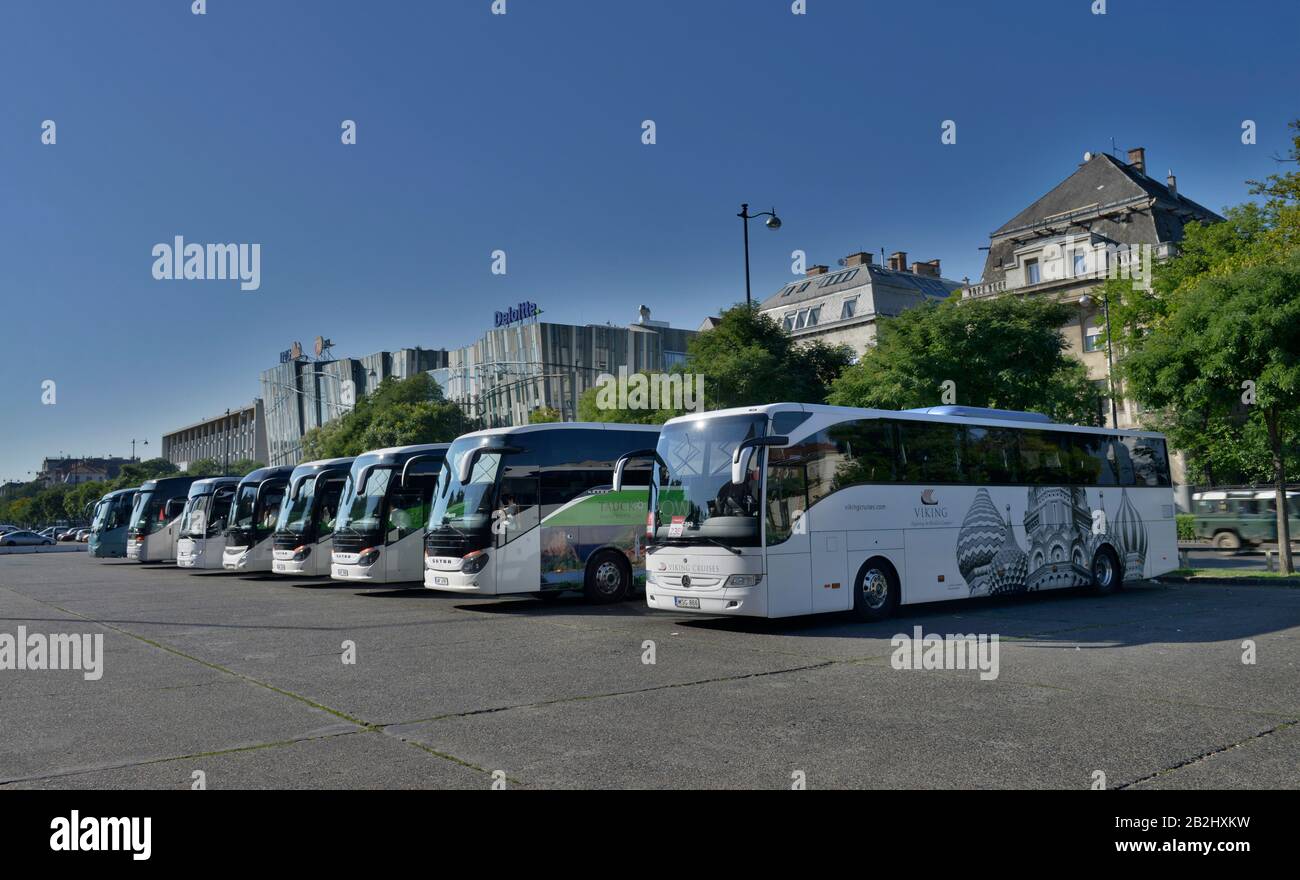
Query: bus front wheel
609, 578
1106, 577
875, 592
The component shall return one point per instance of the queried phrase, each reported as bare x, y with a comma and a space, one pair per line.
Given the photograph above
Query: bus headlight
474, 562
302, 552
368, 556
743, 580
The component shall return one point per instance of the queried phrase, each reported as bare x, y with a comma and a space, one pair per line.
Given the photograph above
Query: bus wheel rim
608, 578
1102, 570
875, 588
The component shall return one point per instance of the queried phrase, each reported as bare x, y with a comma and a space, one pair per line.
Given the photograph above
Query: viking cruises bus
253, 515
156, 519
303, 541
379, 535
531, 510
108, 528
790, 509
203, 523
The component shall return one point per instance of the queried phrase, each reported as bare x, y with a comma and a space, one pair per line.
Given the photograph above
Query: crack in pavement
1205, 756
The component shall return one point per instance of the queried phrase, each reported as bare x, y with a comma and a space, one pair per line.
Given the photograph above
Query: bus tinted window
991, 455
868, 452
929, 452
1042, 459
1150, 464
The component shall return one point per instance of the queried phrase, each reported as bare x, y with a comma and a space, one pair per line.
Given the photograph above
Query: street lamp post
773, 223
142, 443
1086, 300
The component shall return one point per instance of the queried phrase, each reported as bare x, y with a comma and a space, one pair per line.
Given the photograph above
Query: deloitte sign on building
520, 312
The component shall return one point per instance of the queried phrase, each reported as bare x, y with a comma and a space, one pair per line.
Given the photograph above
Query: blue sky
523, 132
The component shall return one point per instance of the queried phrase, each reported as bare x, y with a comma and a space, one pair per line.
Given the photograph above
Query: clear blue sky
522, 132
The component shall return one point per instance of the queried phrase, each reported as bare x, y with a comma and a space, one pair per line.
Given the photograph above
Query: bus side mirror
621, 465
741, 457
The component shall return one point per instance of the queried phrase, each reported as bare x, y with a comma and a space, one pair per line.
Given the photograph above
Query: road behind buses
108, 528
304, 532
202, 537
253, 515
792, 509
156, 519
379, 536
531, 510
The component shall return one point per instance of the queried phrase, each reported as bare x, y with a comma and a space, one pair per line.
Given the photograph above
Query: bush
1186, 526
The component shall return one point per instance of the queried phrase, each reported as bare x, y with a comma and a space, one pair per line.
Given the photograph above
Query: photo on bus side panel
599, 518
1058, 524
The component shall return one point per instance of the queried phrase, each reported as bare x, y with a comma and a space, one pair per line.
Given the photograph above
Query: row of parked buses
770, 511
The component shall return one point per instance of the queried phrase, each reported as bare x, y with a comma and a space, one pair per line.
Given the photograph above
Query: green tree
1007, 353
204, 467
399, 412
242, 466
1232, 341
544, 415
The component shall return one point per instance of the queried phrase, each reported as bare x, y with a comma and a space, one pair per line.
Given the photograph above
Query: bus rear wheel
609, 578
875, 592
1106, 577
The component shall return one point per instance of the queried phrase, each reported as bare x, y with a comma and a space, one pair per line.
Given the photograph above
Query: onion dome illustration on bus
1131, 537
982, 533
1009, 570
1058, 527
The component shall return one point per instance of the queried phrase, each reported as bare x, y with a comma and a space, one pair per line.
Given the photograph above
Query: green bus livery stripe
626, 508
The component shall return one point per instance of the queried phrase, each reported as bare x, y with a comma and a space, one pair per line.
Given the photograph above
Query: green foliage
204, 467
1186, 524
242, 466
544, 415
398, 413
1007, 353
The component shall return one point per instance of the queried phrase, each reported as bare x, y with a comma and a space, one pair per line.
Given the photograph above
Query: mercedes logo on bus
686, 580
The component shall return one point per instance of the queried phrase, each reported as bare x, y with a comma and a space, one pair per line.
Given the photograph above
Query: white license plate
441, 582
280, 566
681, 602
341, 572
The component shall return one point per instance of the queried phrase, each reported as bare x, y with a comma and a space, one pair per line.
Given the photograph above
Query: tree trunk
1279, 483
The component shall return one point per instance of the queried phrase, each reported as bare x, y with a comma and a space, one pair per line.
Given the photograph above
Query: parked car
23, 538
51, 532
83, 535
69, 534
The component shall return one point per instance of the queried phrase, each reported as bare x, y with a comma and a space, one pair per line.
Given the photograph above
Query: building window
1032, 275
849, 308
801, 320
814, 314
1092, 339
789, 322
1080, 264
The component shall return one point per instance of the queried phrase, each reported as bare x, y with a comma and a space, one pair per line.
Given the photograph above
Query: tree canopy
398, 413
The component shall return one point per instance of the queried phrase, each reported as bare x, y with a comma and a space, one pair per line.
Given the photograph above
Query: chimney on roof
1137, 157
930, 268
816, 270
1172, 183
861, 258
898, 261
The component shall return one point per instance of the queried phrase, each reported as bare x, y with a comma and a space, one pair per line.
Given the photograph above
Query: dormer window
1032, 273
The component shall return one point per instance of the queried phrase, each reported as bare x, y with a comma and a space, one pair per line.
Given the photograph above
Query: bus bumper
453, 580
348, 567
730, 601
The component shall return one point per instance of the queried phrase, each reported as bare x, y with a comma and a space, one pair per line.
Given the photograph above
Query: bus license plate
280, 566
441, 582
341, 572
681, 602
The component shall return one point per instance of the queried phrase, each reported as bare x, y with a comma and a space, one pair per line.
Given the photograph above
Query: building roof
1105, 196
856, 277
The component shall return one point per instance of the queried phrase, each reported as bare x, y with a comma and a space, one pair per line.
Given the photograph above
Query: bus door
408, 511
789, 563
516, 539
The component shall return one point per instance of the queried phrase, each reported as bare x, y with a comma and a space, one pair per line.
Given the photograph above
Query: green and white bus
531, 510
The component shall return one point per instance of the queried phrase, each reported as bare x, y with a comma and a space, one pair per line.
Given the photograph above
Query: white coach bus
531, 510
791, 509
253, 514
202, 536
304, 532
379, 536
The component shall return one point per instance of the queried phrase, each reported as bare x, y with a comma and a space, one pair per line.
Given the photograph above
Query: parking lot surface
240, 681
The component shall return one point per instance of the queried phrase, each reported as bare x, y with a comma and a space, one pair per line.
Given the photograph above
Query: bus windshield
697, 501
194, 521
295, 513
242, 510
467, 506
100, 521
365, 514
150, 512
